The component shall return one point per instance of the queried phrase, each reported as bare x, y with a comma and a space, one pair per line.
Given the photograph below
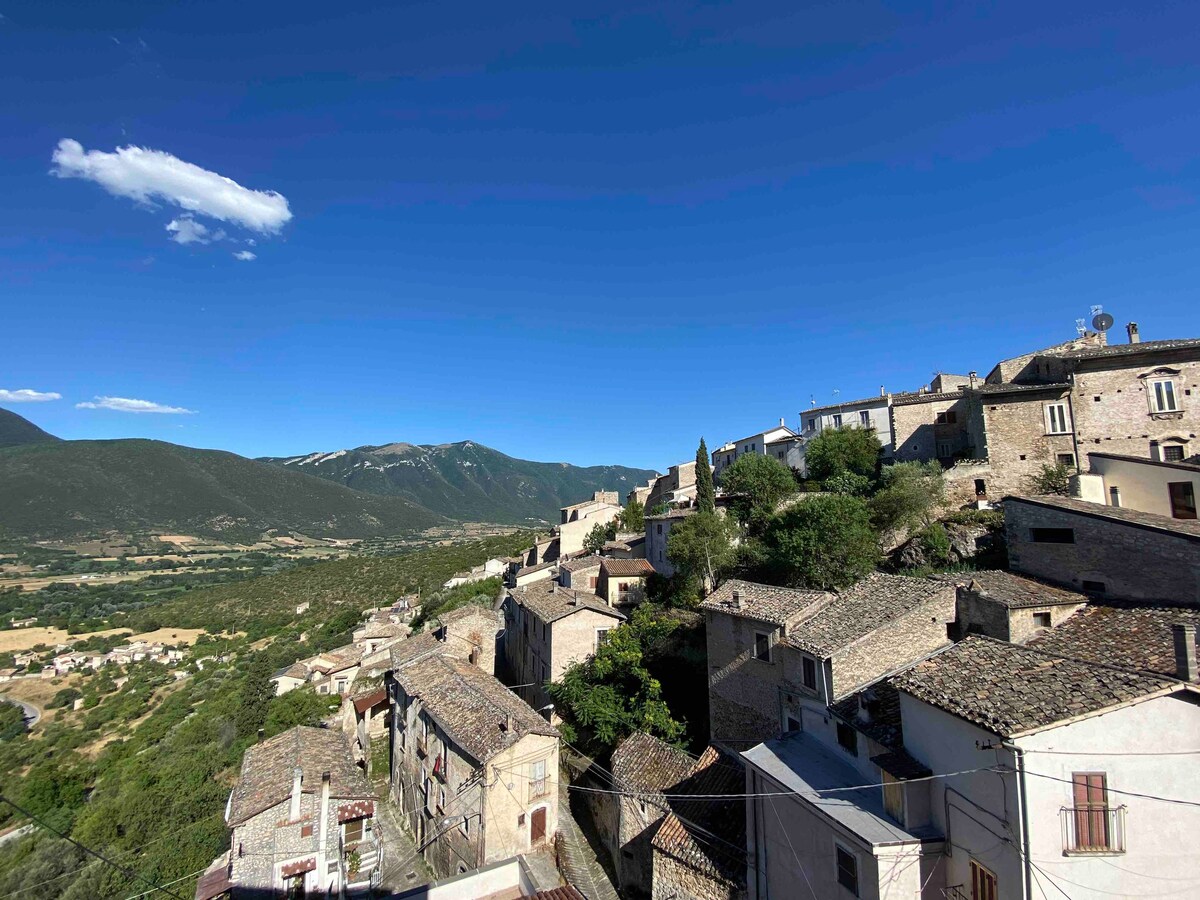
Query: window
1092, 587
1162, 396
1041, 619
980, 487
943, 450
1114, 496
306, 831
602, 637
949, 417
983, 883
1066, 459
1056, 418
1052, 535
537, 779
1173, 453
808, 672
847, 869
791, 725
1183, 499
847, 738
837, 420
352, 832
893, 797
812, 424
779, 453
1090, 812
658, 528
864, 419
762, 646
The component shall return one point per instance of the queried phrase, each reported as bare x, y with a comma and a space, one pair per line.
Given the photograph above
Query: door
1183, 499
537, 826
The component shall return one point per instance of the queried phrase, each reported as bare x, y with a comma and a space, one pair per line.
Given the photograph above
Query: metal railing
1092, 829
538, 788
955, 892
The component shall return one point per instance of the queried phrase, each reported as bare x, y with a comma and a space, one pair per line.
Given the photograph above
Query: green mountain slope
67, 488
15, 430
466, 481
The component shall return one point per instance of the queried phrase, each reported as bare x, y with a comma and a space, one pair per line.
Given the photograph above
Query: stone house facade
622, 581
928, 426
1011, 607
1104, 550
658, 532
582, 573
579, 519
474, 769
302, 818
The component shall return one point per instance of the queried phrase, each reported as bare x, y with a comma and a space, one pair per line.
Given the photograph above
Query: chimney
508, 723
882, 392
297, 782
782, 423
1185, 651
737, 599
974, 376
1132, 330
323, 823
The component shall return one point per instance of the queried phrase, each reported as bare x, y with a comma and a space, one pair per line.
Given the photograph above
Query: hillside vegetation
466, 480
15, 430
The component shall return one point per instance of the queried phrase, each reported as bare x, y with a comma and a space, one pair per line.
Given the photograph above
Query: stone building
929, 425
1010, 607
678, 486
580, 518
623, 581
658, 532
474, 769
581, 573
725, 455
547, 628
1159, 486
302, 818
1104, 550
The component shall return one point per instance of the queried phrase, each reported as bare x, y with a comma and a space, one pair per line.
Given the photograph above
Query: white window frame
601, 638
1063, 426
864, 418
836, 418
1157, 396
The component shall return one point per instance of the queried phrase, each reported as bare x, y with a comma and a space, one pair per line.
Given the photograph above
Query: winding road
32, 713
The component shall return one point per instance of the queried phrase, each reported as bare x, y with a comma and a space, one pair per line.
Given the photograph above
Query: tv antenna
1080, 327
1101, 320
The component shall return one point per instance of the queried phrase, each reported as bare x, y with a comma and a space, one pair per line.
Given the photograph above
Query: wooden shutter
1091, 810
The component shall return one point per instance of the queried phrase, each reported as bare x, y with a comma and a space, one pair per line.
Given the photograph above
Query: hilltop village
965, 667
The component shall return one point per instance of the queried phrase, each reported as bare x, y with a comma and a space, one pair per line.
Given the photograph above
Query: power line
128, 873
1113, 790
176, 881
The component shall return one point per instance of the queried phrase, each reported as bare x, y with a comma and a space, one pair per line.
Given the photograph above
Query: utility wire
1112, 790
128, 873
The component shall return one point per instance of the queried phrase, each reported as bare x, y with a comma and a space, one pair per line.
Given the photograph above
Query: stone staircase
576, 859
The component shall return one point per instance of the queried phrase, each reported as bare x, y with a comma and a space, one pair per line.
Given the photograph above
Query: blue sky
582, 232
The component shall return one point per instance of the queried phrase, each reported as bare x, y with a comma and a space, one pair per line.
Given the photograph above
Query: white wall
1142, 486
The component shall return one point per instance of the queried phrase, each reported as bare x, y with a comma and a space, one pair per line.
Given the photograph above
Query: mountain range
54, 489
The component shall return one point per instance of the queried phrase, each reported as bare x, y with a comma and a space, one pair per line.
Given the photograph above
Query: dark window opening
792, 724
980, 487
1066, 459
1052, 535
1183, 499
809, 672
847, 738
1173, 453
847, 871
1041, 619
762, 646
1093, 587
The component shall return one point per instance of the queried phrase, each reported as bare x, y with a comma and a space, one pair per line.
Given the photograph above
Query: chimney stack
297, 782
737, 599
1185, 651
1132, 330
882, 392
782, 423
974, 376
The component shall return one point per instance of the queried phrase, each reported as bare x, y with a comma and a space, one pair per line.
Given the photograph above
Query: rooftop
861, 608
625, 568
550, 601
1131, 635
471, 706
579, 563
414, 648
542, 565
267, 771
671, 514
1183, 466
1130, 349
1011, 388
1136, 518
1011, 690
763, 602
645, 764
882, 723
1017, 591
802, 764
927, 397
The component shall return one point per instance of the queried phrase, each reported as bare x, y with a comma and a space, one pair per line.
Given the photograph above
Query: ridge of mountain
465, 480
16, 430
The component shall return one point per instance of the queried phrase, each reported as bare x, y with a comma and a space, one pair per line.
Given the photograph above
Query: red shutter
1091, 810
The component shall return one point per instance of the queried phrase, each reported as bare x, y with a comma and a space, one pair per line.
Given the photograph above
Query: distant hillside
67, 488
15, 430
466, 481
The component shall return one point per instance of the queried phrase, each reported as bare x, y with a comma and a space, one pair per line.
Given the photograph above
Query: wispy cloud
245, 255
125, 404
25, 395
146, 175
186, 230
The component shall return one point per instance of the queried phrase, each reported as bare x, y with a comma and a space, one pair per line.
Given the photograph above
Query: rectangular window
1183, 499
1052, 535
1173, 453
808, 667
949, 417
864, 419
812, 424
893, 797
1041, 619
602, 637
658, 527
847, 869
1090, 794
847, 738
792, 725
983, 883
537, 779
837, 420
1056, 418
1114, 496
353, 832
1066, 459
1162, 396
762, 646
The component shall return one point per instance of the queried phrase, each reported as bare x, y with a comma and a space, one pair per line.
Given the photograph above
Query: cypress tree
706, 495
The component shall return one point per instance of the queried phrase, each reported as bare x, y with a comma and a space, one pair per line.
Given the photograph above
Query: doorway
537, 826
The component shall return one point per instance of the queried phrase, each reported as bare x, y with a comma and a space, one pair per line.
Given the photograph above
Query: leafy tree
599, 536
612, 694
254, 699
909, 496
701, 548
632, 517
848, 483
823, 542
1052, 479
12, 721
845, 449
706, 494
757, 484
936, 543
299, 707
659, 509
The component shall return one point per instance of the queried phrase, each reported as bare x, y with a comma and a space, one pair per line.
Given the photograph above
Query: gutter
1022, 798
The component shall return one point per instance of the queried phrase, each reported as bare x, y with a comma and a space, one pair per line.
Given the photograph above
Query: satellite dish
1102, 322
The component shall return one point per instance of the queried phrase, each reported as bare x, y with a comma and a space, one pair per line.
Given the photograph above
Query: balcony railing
1092, 829
538, 788
955, 892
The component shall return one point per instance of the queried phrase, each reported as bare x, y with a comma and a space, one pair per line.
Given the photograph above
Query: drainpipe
1074, 424
1022, 798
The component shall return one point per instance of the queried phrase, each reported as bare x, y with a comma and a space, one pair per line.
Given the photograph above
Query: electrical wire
168, 884
795, 855
1113, 790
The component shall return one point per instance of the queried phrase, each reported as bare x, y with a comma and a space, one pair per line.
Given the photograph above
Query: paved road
32, 713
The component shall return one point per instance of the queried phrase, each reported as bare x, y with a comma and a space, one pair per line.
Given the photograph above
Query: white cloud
25, 395
186, 230
145, 175
245, 255
125, 404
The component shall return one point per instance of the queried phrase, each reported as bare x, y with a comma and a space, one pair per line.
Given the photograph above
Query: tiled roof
861, 608
627, 567
384, 630
579, 563
706, 834
295, 670
672, 514
1010, 388
550, 601
763, 602
566, 892
645, 764
876, 399
1130, 349
1017, 591
267, 771
882, 703
469, 611
413, 648
625, 543
1010, 689
542, 565
914, 399
1132, 635
215, 881
1185, 527
899, 764
471, 706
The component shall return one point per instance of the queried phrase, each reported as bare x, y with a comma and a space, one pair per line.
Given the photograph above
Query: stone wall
1129, 561
743, 692
981, 615
674, 880
1017, 444
917, 433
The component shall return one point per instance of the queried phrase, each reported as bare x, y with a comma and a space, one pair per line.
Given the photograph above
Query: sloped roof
860, 609
550, 601
471, 706
267, 771
414, 648
1130, 349
627, 567
579, 563
1189, 528
882, 702
1018, 591
1010, 689
1132, 635
646, 764
1012, 388
763, 602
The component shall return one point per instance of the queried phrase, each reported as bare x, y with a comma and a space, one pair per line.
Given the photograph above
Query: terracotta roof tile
763, 602
1132, 635
623, 568
579, 563
645, 764
550, 601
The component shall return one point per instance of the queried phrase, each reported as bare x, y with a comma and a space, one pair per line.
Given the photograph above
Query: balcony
538, 788
1092, 830
956, 892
